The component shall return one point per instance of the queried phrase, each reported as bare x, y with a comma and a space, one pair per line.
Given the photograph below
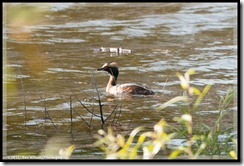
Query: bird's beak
100, 69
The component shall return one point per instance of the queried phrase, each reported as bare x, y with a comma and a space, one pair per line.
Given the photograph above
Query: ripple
64, 70
46, 99
22, 76
212, 81
61, 40
216, 48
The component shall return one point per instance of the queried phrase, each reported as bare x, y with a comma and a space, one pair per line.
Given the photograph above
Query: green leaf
195, 91
199, 151
141, 138
131, 137
191, 71
201, 96
121, 140
174, 100
233, 155
175, 153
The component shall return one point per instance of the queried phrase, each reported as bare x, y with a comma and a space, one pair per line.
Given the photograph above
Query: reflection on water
54, 62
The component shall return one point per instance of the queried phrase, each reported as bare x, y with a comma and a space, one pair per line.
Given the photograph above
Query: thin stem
71, 114
99, 99
111, 113
47, 116
76, 113
83, 104
23, 93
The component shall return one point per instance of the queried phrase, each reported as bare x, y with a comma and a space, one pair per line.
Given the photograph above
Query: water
52, 59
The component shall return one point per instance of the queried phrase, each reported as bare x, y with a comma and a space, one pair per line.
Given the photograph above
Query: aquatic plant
205, 141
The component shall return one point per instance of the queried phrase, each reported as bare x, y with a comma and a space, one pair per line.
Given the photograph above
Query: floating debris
118, 50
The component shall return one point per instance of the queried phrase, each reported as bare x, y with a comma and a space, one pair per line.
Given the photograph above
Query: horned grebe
128, 88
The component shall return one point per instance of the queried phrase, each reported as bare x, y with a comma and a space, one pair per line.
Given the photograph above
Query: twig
71, 114
92, 107
43, 98
119, 113
47, 116
80, 103
83, 104
90, 96
165, 83
111, 113
23, 92
76, 113
99, 99
130, 121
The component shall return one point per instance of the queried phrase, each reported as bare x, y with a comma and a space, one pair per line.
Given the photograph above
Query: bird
117, 89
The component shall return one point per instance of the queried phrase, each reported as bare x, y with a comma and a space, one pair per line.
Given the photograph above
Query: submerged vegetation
197, 142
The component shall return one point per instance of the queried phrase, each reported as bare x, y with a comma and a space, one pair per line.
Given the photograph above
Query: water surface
53, 63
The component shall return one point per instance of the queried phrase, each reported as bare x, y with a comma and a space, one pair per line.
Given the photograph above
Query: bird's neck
111, 82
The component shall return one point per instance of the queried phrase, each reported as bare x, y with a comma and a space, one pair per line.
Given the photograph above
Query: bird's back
130, 88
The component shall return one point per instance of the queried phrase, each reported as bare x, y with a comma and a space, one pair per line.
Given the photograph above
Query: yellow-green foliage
18, 15
117, 147
8, 80
150, 143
